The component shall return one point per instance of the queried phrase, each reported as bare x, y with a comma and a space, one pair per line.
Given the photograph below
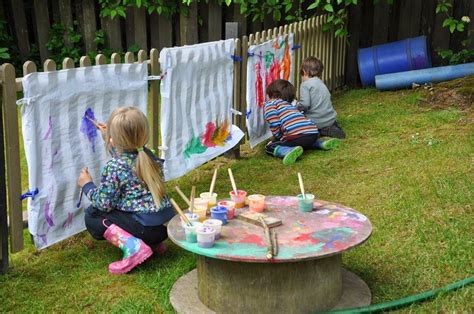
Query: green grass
406, 167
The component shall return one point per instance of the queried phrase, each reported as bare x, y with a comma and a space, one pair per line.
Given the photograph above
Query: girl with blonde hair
129, 206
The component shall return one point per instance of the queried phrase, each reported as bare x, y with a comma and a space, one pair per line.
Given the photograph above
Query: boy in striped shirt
292, 131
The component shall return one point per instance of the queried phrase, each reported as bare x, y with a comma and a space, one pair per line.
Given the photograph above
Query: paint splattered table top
328, 230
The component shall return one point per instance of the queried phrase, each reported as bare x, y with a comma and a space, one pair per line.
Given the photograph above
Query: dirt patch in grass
457, 93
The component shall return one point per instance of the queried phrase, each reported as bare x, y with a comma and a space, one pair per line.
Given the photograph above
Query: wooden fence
308, 34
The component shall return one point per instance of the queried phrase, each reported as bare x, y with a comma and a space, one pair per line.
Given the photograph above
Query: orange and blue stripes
285, 120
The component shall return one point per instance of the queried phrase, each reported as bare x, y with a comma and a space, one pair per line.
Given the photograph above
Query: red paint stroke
306, 237
50, 129
253, 239
221, 133
286, 62
275, 70
260, 99
206, 138
276, 44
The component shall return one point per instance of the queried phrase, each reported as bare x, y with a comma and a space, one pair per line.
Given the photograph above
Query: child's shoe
327, 144
159, 248
135, 251
289, 154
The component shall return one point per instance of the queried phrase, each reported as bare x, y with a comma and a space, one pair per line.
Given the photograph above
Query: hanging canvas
267, 62
60, 138
196, 101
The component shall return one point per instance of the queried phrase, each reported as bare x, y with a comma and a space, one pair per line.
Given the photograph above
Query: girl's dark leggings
305, 141
150, 235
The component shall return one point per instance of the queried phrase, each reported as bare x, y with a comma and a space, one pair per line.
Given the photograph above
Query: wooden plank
161, 31
355, 19
214, 21
239, 18
155, 98
42, 26
441, 37
409, 23
381, 22
231, 30
12, 156
78, 16
188, 26
460, 9
428, 18
115, 58
129, 57
54, 5
367, 27
21, 29
85, 61
394, 21
238, 120
68, 63
100, 59
90, 25
49, 65
141, 56
129, 28
471, 24
140, 27
243, 81
3, 200
65, 16
113, 32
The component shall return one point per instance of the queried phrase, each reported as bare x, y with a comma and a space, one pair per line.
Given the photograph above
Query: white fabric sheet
196, 100
58, 143
267, 62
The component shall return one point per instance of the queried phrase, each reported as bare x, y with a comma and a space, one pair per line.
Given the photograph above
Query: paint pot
238, 199
205, 236
305, 204
211, 198
190, 232
200, 208
191, 217
230, 208
219, 212
216, 224
256, 202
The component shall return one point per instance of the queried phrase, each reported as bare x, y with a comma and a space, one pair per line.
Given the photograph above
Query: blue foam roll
432, 75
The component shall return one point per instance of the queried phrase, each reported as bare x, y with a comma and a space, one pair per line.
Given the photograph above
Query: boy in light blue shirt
315, 99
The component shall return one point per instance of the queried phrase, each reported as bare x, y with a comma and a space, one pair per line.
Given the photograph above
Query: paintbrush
184, 197
96, 124
232, 181
80, 199
300, 179
213, 182
180, 212
193, 193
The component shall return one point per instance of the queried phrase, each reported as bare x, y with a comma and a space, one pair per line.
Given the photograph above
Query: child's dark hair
312, 67
281, 89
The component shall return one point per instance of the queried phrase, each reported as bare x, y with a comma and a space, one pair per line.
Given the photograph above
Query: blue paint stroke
88, 128
50, 130
48, 216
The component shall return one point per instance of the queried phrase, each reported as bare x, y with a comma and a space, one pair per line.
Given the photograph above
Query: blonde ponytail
149, 172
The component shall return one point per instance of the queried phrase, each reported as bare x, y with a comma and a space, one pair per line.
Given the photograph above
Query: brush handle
300, 179
180, 212
213, 182
184, 197
193, 193
232, 181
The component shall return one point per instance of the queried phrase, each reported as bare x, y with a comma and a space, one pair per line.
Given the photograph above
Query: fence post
12, 156
3, 202
155, 95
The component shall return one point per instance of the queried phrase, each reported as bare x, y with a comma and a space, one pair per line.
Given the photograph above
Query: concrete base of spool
184, 294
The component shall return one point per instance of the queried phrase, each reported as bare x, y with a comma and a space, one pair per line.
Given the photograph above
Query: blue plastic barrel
399, 56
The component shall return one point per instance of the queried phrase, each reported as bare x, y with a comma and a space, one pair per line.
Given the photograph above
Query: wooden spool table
235, 276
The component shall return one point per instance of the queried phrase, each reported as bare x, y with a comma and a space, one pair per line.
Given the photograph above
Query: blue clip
236, 58
295, 47
248, 113
250, 54
31, 194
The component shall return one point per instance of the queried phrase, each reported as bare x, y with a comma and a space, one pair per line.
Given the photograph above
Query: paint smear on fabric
221, 133
208, 133
48, 216
68, 223
88, 128
260, 99
194, 146
50, 129
286, 62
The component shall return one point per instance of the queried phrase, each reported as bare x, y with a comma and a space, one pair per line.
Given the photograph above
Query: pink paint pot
216, 224
205, 236
230, 205
238, 199
257, 202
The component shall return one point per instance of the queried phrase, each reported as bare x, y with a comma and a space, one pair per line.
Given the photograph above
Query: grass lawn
407, 167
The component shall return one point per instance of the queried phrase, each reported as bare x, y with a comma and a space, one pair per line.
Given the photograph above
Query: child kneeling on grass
292, 131
130, 206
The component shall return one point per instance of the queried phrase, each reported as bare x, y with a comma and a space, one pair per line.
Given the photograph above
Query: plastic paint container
239, 199
191, 217
205, 236
190, 232
230, 208
212, 199
305, 204
257, 202
216, 224
219, 212
200, 208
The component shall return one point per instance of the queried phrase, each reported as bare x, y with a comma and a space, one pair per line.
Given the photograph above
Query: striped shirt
286, 121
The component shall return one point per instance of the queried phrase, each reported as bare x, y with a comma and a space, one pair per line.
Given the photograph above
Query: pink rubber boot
135, 251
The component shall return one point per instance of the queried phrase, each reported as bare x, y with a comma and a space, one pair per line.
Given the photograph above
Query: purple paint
48, 216
50, 129
52, 159
43, 238
88, 128
67, 224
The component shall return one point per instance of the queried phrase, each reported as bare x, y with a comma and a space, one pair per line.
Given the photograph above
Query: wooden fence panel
21, 28
42, 26
65, 17
409, 23
12, 143
129, 28
161, 31
155, 101
113, 33
90, 25
188, 26
140, 27
381, 22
